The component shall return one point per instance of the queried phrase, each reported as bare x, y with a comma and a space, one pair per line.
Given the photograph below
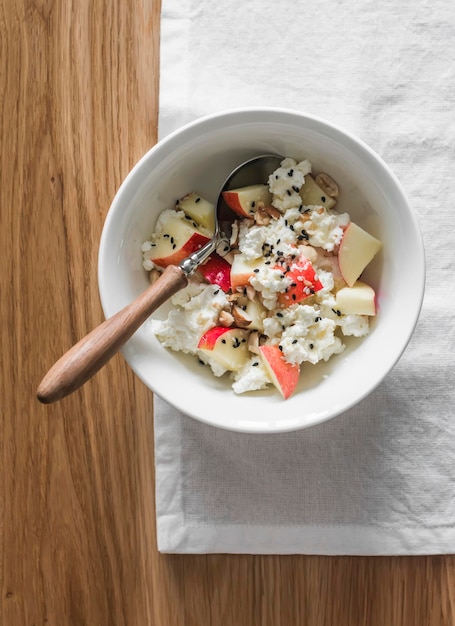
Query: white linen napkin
379, 479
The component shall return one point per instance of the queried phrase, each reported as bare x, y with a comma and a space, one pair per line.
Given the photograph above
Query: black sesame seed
223, 341
197, 200
288, 191
216, 292
279, 314
174, 246
311, 346
317, 319
295, 188
291, 172
294, 297
165, 236
172, 240
267, 262
323, 198
337, 312
294, 341
255, 364
280, 347
256, 271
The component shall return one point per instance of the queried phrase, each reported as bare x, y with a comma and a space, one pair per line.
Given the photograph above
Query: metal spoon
89, 355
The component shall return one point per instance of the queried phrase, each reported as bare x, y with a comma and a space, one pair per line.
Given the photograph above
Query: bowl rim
254, 114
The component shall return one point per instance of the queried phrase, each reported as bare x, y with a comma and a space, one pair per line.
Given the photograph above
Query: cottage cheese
307, 332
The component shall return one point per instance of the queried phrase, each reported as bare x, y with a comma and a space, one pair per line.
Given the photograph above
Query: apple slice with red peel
304, 283
198, 209
243, 269
244, 200
178, 239
360, 299
227, 346
217, 271
283, 375
357, 250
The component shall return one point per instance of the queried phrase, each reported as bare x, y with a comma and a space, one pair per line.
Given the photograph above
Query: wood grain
78, 103
92, 352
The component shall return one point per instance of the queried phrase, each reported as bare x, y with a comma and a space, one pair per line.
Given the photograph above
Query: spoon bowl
92, 352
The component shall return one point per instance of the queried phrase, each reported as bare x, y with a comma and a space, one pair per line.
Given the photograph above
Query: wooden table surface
78, 103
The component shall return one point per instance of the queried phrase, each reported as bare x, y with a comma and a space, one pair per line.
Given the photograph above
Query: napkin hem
175, 536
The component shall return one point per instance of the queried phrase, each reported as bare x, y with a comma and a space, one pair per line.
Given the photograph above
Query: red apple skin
285, 375
232, 200
234, 197
195, 242
211, 336
300, 273
217, 271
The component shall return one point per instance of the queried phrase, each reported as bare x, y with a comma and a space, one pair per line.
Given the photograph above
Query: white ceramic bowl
199, 156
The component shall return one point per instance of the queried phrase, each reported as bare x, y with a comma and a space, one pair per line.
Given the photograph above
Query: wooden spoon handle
89, 355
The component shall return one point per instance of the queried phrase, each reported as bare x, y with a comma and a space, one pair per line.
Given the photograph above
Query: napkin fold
380, 478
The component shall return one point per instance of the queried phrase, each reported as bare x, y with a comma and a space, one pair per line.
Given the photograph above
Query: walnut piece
327, 184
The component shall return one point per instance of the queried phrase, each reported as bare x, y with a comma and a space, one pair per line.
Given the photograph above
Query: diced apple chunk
357, 250
245, 200
360, 299
198, 209
283, 375
304, 283
227, 346
217, 271
178, 239
312, 194
242, 270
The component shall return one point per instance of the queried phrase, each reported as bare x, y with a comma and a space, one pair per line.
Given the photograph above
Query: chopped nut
261, 217
225, 319
250, 292
235, 296
327, 184
241, 317
309, 253
273, 212
253, 342
234, 240
229, 257
154, 275
223, 248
